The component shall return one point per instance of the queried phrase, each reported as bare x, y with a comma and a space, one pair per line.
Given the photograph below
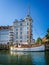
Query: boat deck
27, 45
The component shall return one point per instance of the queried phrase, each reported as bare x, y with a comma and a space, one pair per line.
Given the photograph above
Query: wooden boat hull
39, 48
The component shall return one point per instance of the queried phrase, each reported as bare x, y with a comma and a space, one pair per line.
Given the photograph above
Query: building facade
6, 33
19, 33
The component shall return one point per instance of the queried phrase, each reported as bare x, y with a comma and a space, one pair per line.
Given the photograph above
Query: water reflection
47, 58
24, 58
35, 58
18, 53
38, 58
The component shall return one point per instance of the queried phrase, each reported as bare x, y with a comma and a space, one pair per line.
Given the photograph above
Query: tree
39, 40
47, 35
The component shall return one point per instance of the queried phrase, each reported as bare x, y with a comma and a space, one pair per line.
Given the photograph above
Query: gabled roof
5, 27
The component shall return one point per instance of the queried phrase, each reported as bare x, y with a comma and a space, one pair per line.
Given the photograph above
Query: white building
19, 33
6, 34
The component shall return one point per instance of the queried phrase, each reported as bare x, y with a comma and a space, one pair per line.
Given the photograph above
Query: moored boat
35, 48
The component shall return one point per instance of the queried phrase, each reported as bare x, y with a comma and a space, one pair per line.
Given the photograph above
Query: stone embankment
4, 47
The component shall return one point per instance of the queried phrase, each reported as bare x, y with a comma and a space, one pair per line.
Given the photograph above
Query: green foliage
47, 35
39, 40
48, 30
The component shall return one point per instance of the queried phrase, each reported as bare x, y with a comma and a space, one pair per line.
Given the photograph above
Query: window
20, 32
27, 37
16, 29
20, 37
16, 37
16, 33
20, 28
27, 32
27, 40
20, 24
27, 23
16, 41
20, 40
27, 27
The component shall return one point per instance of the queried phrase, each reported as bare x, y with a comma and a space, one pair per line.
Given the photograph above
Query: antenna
28, 9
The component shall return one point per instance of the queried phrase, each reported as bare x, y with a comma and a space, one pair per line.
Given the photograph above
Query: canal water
24, 58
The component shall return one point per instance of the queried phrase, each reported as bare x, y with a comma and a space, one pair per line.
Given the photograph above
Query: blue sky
17, 9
